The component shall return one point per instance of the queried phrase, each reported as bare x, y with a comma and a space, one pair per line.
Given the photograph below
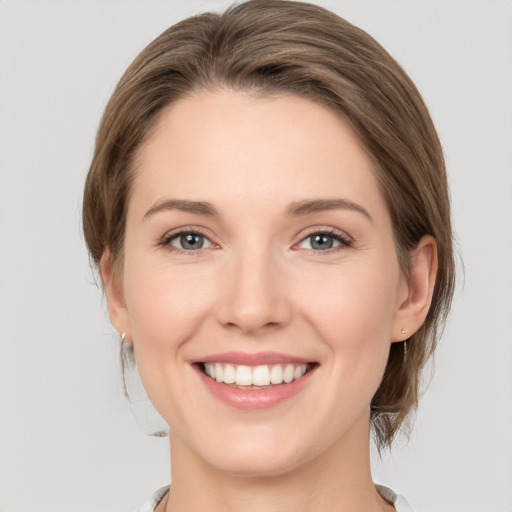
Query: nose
255, 298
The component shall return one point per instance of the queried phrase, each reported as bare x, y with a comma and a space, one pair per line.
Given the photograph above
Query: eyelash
344, 241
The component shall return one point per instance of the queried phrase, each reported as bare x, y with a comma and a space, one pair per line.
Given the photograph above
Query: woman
268, 209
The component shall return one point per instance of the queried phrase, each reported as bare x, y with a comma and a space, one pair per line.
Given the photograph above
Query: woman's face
258, 246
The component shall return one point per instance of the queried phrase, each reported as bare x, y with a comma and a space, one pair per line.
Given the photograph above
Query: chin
257, 466
253, 456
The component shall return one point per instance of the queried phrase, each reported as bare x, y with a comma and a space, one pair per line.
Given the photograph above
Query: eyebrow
319, 205
196, 207
296, 209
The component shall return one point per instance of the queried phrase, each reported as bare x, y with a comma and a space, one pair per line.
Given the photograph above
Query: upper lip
252, 359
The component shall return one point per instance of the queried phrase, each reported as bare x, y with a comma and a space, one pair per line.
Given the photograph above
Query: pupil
191, 241
322, 242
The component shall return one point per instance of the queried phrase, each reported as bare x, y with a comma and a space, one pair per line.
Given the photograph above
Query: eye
186, 241
324, 241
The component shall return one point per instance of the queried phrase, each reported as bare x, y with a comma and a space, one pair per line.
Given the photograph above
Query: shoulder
400, 503
151, 503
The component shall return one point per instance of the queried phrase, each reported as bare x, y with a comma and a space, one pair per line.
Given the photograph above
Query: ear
415, 295
113, 286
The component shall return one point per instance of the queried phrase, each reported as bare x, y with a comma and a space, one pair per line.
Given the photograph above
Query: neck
337, 480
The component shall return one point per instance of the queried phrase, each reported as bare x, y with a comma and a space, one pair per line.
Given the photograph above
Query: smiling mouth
256, 377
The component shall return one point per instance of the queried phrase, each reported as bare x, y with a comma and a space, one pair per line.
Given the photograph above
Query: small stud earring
404, 331
123, 336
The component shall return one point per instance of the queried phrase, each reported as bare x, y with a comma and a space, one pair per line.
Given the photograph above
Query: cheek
351, 308
163, 305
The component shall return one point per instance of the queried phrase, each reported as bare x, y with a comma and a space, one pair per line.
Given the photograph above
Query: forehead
228, 145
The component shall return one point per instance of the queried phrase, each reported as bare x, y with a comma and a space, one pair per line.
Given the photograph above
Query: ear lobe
113, 286
412, 311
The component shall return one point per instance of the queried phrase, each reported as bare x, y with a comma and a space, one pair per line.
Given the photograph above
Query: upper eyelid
184, 230
331, 231
169, 236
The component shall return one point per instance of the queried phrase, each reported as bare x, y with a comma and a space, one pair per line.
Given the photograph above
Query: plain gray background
68, 439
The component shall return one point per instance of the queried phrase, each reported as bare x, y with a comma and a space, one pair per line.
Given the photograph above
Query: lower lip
254, 399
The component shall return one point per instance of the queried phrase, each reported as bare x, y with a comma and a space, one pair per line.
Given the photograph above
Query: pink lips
253, 399
253, 359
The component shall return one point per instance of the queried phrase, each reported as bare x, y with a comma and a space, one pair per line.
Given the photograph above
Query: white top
400, 503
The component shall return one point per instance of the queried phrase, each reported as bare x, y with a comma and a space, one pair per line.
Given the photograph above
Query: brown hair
279, 46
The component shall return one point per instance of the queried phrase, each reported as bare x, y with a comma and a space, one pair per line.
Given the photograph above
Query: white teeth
243, 376
262, 375
229, 374
288, 373
276, 374
299, 372
219, 372
210, 370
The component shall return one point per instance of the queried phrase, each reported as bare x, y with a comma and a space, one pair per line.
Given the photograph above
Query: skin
258, 284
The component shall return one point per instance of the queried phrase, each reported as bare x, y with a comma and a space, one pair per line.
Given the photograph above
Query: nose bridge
256, 297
